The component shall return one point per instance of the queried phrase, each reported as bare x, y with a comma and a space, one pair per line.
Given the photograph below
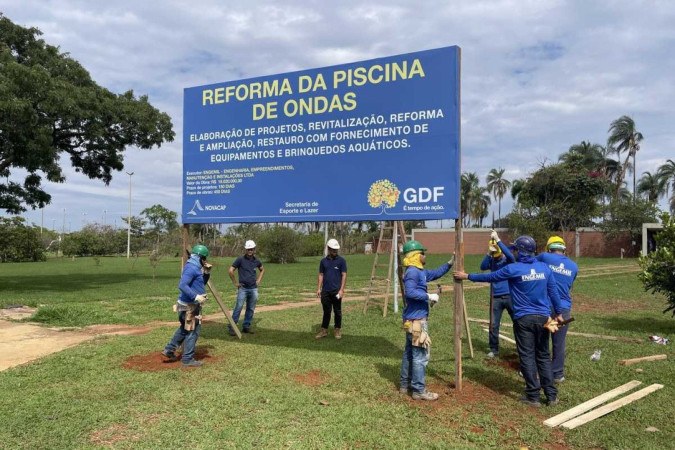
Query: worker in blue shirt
500, 299
192, 287
534, 294
565, 272
415, 314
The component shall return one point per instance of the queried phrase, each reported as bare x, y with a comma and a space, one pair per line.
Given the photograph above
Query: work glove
206, 268
452, 260
201, 299
433, 299
492, 247
494, 236
552, 325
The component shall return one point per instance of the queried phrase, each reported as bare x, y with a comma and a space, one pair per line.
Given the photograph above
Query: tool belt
418, 329
192, 314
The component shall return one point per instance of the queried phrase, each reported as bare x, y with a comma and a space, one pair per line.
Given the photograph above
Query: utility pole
129, 220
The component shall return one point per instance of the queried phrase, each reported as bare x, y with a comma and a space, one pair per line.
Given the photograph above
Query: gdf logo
423, 194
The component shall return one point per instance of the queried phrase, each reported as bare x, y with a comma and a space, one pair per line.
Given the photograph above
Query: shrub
658, 268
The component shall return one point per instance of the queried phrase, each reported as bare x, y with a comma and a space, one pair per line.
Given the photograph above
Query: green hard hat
200, 250
413, 245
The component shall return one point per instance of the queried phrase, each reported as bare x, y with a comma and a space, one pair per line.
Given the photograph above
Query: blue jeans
499, 304
414, 364
532, 341
558, 338
187, 338
250, 296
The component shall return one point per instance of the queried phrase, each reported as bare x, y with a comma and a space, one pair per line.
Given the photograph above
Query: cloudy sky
537, 76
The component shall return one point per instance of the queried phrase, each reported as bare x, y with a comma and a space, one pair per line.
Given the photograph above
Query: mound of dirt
155, 361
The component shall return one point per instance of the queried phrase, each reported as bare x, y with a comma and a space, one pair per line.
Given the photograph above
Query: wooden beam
501, 336
590, 404
226, 311
466, 325
576, 333
603, 410
628, 362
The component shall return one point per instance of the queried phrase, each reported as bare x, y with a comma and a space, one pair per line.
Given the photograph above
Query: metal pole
129, 220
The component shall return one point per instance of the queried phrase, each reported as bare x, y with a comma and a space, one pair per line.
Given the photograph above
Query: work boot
492, 354
404, 390
559, 380
553, 402
248, 330
169, 356
530, 402
322, 334
338, 333
193, 363
231, 332
426, 395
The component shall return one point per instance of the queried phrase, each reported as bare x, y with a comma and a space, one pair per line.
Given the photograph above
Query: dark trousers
329, 301
499, 304
558, 338
532, 341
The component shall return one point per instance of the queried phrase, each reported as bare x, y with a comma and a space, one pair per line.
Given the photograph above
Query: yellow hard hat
555, 243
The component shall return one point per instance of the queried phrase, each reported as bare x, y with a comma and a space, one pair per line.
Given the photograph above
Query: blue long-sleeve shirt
192, 281
489, 263
533, 288
565, 272
416, 297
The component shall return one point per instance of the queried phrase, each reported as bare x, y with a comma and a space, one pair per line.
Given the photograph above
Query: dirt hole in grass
311, 378
155, 361
112, 435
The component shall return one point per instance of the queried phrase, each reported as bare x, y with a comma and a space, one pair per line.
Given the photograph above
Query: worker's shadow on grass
352, 343
508, 384
647, 325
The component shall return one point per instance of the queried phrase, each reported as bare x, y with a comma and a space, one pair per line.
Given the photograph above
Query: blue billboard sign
370, 140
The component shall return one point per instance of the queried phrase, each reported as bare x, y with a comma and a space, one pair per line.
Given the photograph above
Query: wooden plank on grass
501, 336
576, 333
628, 362
590, 404
571, 424
226, 311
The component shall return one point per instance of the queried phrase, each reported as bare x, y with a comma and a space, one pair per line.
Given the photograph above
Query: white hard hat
249, 245
333, 243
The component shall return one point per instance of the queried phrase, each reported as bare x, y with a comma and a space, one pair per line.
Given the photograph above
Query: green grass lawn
280, 388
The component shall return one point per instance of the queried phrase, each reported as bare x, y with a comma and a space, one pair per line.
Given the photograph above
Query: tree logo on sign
383, 194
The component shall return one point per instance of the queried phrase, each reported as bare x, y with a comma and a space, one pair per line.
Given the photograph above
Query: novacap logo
197, 207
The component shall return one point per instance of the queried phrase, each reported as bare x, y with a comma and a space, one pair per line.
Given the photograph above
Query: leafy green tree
627, 215
280, 244
19, 242
469, 182
585, 154
625, 138
517, 187
658, 268
160, 218
50, 108
566, 197
498, 186
94, 240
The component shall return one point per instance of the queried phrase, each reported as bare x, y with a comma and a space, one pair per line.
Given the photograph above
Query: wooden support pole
226, 311
590, 404
459, 301
603, 410
628, 362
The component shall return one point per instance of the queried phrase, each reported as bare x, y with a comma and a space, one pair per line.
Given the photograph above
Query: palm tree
469, 182
624, 136
479, 204
589, 156
498, 186
667, 173
652, 185
516, 188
